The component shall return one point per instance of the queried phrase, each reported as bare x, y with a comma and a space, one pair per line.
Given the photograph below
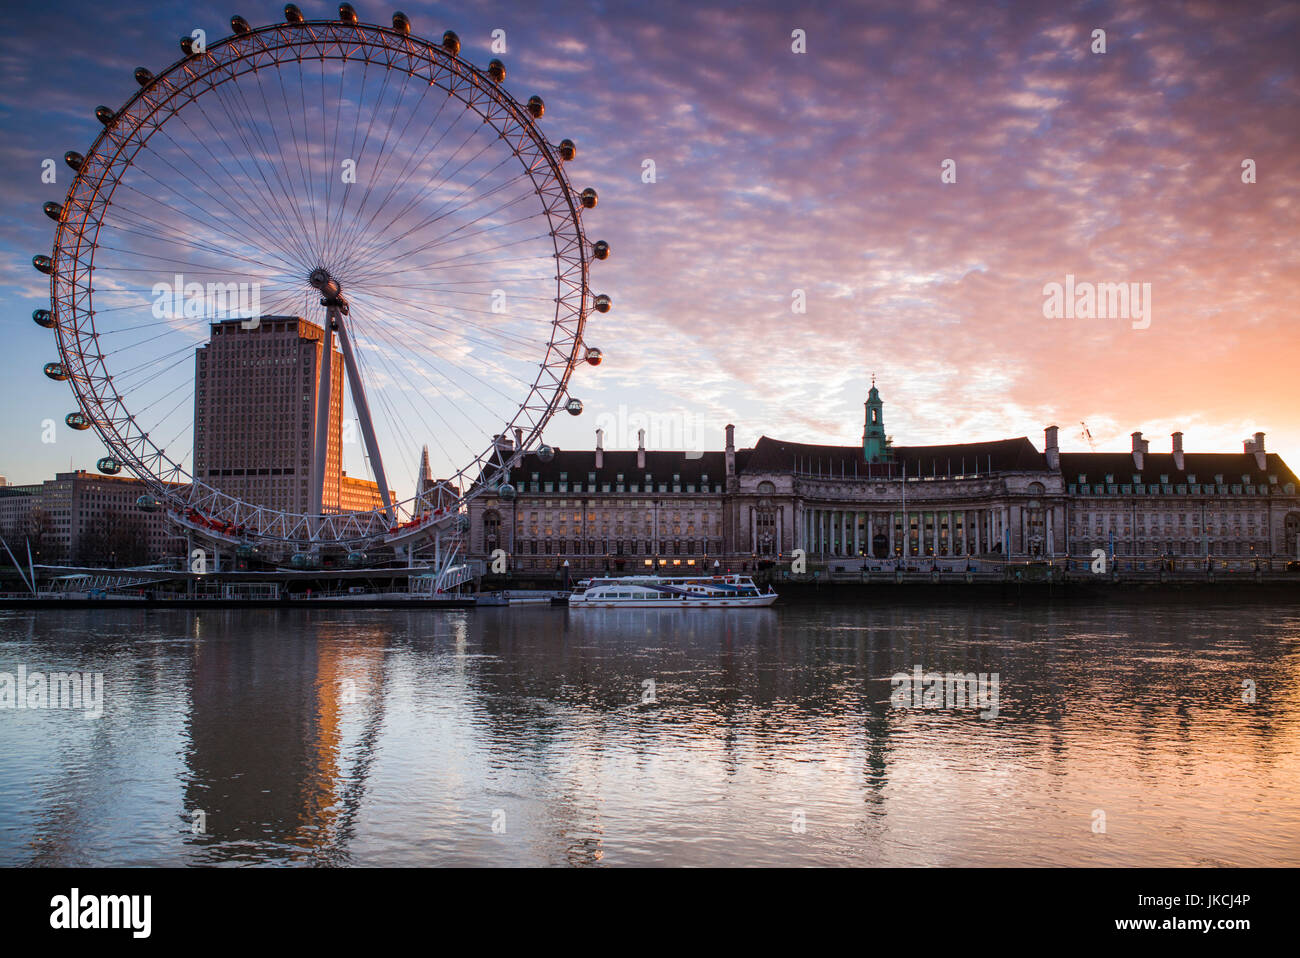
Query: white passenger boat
671, 592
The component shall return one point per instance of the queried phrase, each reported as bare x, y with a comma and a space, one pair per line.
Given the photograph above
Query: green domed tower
875, 447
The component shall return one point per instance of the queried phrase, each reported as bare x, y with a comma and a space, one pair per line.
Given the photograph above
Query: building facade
876, 504
84, 518
255, 392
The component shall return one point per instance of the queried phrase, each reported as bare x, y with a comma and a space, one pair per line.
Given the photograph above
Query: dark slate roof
1204, 465
662, 466
1001, 455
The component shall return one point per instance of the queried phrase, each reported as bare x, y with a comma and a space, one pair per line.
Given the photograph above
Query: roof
1000, 455
661, 464
1203, 465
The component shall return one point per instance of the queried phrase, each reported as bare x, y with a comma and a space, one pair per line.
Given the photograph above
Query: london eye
307, 211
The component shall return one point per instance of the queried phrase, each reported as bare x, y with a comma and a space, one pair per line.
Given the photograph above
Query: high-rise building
255, 390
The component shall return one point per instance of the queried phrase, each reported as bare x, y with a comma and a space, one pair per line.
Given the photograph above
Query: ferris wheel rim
227, 59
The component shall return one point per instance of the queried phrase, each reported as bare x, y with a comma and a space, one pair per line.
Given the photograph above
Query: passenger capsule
602, 303
109, 466
573, 407
451, 42
347, 14
292, 14
497, 71
402, 23
506, 492
568, 150
43, 317
240, 25
147, 504
53, 211
545, 453
600, 250
356, 559
244, 551
536, 107
594, 356
104, 115
56, 372
77, 421
300, 560
143, 76
73, 159
44, 264
589, 198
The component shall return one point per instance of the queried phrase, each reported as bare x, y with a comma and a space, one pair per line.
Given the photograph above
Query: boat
671, 592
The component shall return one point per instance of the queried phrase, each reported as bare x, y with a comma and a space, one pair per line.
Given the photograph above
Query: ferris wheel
301, 212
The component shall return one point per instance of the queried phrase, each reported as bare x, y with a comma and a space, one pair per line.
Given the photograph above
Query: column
871, 536
891, 534
857, 535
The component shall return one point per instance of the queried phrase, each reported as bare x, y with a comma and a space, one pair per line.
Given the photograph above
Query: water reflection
539, 736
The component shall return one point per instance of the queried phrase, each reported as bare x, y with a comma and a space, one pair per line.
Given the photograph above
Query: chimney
1139, 450
640, 448
1261, 459
731, 451
519, 437
600, 449
1178, 451
1052, 450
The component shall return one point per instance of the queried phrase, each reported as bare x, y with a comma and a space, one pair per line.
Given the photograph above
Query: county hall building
949, 506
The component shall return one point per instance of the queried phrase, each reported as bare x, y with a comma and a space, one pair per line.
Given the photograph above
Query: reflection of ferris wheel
375, 185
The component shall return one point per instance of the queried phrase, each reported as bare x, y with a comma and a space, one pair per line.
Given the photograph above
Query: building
85, 518
255, 391
949, 505
360, 495
18, 510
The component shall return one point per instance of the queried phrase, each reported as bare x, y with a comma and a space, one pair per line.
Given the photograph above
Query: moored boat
671, 592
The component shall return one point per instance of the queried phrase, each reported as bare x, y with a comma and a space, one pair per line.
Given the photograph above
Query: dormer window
1191, 477
1163, 479
1110, 477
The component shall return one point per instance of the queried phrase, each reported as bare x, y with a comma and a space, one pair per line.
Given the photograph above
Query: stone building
83, 517
952, 505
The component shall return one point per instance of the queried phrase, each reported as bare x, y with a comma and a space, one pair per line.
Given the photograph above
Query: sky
816, 178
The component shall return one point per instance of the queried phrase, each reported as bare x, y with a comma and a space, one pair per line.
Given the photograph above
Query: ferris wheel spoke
379, 330
179, 240
277, 197
455, 325
284, 240
206, 213
417, 153
358, 153
390, 242
430, 188
292, 195
376, 175
450, 235
447, 427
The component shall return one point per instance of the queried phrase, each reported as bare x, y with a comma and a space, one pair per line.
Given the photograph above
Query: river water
1162, 734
